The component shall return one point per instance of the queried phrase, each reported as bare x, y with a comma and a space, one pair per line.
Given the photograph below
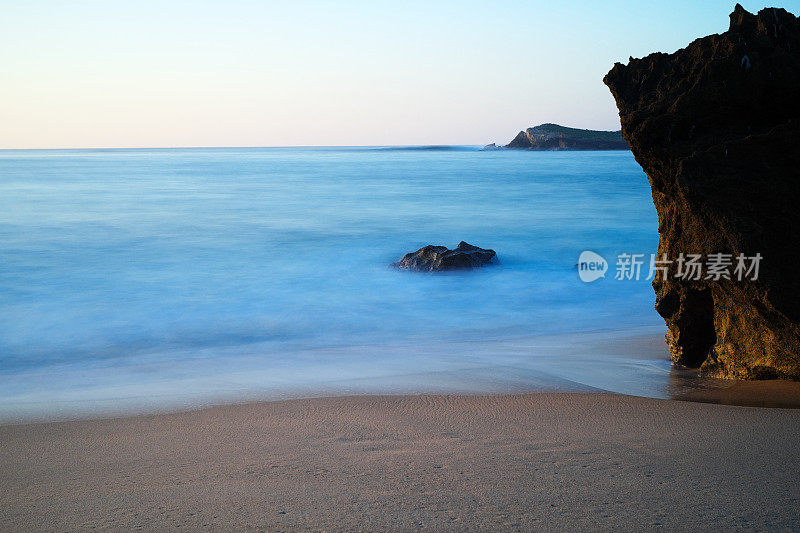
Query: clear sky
247, 73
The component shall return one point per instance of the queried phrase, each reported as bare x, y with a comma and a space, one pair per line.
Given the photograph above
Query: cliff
716, 127
555, 137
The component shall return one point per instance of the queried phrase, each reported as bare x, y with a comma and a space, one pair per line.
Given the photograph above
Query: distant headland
555, 137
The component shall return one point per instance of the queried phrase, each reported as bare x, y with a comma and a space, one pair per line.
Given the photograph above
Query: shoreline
632, 365
541, 460
764, 394
621, 361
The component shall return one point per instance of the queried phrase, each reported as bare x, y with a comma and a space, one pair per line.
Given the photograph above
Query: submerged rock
432, 258
555, 137
716, 127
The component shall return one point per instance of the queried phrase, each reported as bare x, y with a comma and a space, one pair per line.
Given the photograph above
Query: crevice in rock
695, 321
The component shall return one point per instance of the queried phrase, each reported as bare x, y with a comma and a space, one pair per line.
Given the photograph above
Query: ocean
148, 279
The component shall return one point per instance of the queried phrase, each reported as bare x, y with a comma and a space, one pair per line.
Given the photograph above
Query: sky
311, 73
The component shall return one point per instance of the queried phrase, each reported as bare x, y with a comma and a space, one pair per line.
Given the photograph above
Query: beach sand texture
521, 462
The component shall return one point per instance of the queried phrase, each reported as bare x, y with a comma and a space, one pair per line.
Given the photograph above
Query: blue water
160, 277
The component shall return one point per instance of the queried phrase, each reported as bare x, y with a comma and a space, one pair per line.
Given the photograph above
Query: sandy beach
545, 461
386, 267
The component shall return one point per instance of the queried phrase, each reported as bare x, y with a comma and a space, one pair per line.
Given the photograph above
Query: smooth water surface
151, 278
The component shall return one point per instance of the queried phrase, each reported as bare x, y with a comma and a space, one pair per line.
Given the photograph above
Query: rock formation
555, 137
432, 258
716, 127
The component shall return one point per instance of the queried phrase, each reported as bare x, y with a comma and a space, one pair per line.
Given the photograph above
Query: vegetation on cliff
555, 137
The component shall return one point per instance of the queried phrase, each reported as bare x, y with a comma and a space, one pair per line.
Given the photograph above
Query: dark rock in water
555, 137
716, 127
431, 258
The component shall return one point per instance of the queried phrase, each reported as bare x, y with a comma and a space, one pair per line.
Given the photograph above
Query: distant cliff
555, 137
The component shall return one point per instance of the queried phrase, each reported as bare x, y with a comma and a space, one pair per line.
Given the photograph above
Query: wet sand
768, 393
545, 461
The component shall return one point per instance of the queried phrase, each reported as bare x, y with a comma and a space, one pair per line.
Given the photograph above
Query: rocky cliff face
716, 127
555, 137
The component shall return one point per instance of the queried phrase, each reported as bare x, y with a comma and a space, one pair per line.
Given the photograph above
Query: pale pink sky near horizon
246, 73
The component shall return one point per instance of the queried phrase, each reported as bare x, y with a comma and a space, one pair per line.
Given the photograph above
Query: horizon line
244, 147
